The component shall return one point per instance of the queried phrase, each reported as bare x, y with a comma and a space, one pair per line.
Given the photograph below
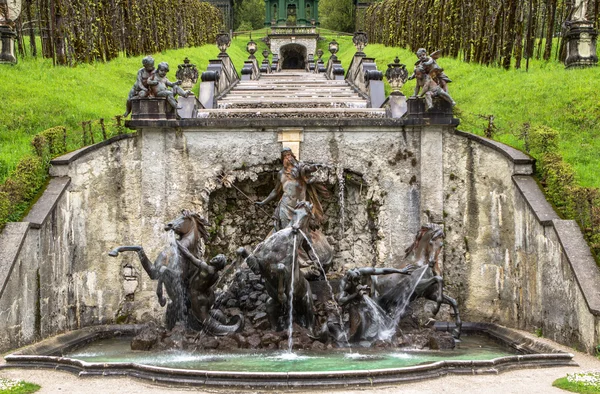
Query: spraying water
381, 321
400, 311
337, 306
341, 197
291, 299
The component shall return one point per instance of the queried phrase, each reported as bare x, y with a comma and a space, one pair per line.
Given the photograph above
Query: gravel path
527, 381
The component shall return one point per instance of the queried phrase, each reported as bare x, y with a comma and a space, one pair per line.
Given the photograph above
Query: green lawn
565, 100
37, 96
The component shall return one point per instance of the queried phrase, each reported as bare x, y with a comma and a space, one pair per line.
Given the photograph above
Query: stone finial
360, 41
223, 42
251, 48
396, 74
334, 47
188, 74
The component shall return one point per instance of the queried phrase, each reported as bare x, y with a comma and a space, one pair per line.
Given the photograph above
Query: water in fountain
175, 257
291, 299
399, 312
384, 324
341, 191
337, 306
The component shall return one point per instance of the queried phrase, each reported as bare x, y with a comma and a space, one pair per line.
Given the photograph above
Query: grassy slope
38, 96
566, 100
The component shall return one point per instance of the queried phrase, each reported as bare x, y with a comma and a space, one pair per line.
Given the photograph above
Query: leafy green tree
249, 14
337, 15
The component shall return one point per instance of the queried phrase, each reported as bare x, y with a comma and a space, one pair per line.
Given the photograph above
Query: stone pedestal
7, 45
439, 114
152, 108
190, 105
581, 45
396, 106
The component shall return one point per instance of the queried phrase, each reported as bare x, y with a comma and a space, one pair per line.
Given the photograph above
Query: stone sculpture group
153, 82
292, 259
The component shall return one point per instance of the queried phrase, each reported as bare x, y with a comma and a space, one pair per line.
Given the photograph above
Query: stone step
292, 104
292, 113
290, 94
278, 99
294, 82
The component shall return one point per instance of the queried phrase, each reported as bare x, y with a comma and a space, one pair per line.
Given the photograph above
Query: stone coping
48, 354
515, 155
578, 253
303, 121
11, 241
46, 203
575, 248
72, 156
530, 190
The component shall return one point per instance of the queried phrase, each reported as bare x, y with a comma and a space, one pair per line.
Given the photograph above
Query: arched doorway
293, 57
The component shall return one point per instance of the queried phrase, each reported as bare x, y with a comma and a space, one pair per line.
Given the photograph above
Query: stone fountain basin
531, 353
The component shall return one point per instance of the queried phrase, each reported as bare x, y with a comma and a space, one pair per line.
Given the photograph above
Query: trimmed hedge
557, 177
30, 175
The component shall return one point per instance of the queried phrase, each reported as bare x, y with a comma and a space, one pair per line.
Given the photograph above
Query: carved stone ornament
9, 11
265, 53
251, 48
333, 47
319, 53
360, 41
188, 74
396, 74
223, 42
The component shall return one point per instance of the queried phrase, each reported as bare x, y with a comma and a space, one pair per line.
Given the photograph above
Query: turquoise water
474, 347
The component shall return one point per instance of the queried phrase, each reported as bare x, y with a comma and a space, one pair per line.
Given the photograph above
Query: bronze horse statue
276, 260
188, 280
420, 277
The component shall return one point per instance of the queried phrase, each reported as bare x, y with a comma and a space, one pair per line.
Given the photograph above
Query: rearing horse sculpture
276, 260
394, 292
186, 277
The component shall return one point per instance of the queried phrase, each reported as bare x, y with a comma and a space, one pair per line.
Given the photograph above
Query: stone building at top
291, 12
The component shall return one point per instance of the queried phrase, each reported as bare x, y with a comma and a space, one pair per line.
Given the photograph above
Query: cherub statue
140, 87
429, 87
430, 67
159, 86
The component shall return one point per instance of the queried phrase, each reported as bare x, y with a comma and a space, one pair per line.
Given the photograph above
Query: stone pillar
432, 175
268, 13
7, 45
282, 13
291, 138
581, 45
301, 14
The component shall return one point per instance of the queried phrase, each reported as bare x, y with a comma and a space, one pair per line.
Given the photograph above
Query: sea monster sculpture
394, 292
355, 300
186, 277
276, 260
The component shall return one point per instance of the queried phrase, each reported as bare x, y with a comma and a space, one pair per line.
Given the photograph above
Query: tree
337, 15
249, 14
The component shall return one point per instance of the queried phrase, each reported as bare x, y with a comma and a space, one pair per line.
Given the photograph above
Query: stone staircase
292, 94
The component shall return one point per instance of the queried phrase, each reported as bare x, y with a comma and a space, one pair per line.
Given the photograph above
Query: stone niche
350, 227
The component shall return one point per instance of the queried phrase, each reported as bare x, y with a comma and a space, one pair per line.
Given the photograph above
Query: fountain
342, 326
307, 285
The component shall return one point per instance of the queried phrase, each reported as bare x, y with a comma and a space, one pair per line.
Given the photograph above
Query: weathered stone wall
507, 258
310, 43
